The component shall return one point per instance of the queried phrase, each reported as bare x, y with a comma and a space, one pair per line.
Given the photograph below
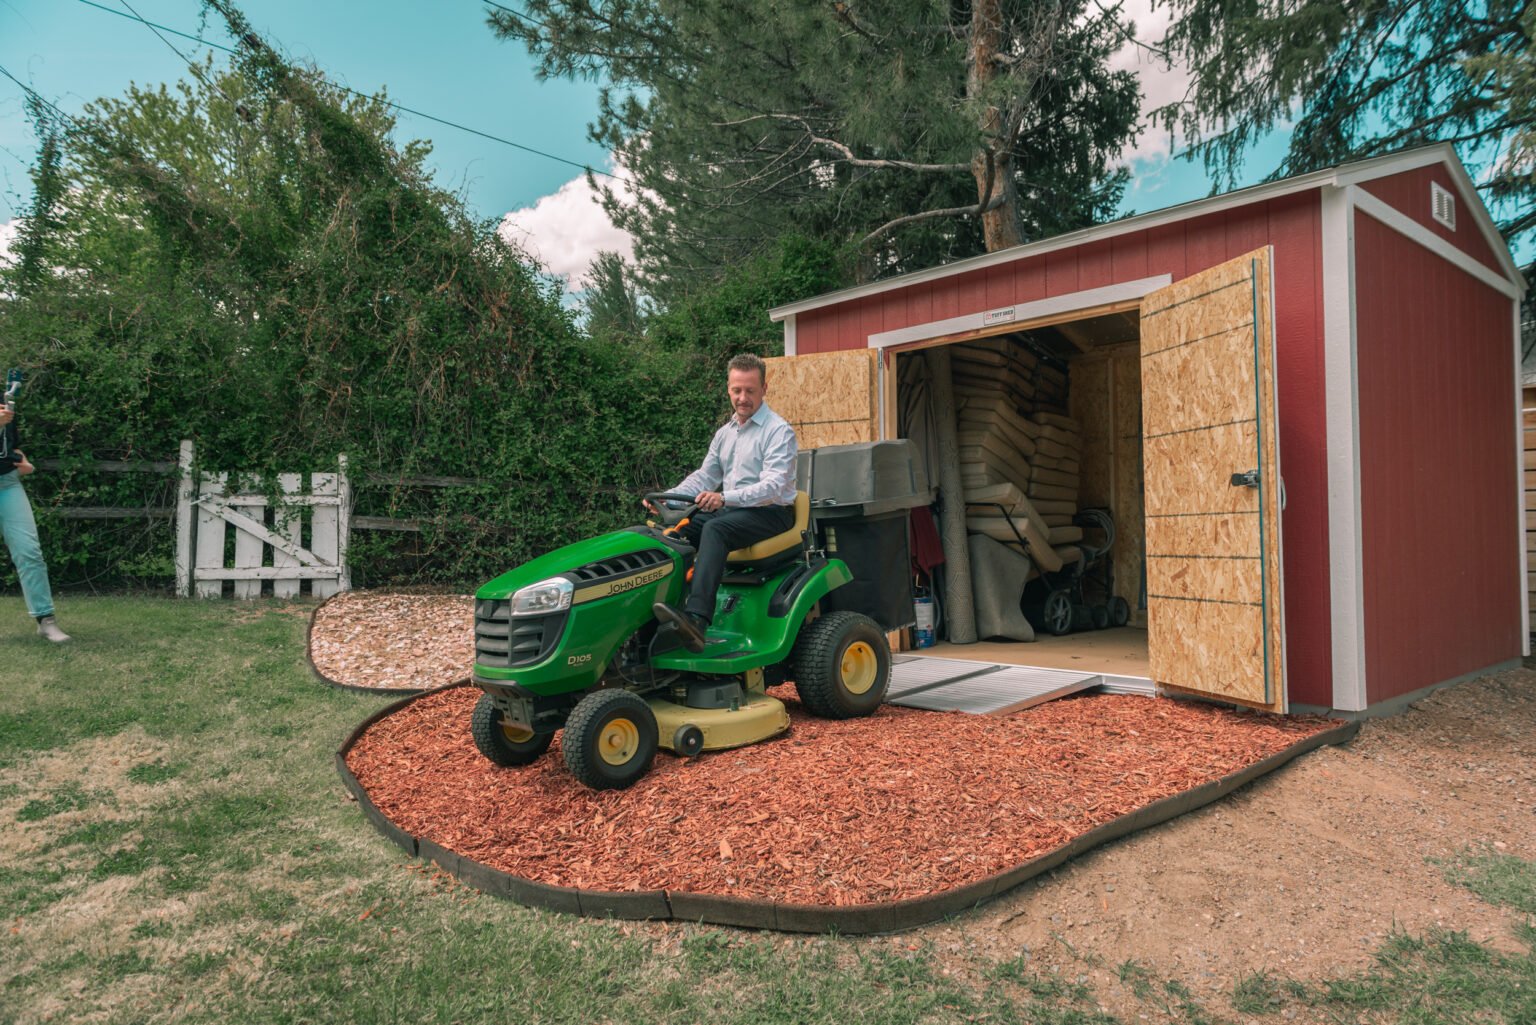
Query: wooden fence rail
165, 512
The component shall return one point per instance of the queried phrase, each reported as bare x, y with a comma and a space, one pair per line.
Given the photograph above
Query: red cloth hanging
927, 549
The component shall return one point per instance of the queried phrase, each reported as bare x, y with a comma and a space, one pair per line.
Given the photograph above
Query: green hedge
249, 261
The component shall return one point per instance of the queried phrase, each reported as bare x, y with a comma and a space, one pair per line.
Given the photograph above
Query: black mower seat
772, 546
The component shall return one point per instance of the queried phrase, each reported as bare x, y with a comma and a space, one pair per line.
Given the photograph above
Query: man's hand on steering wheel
671, 508
709, 501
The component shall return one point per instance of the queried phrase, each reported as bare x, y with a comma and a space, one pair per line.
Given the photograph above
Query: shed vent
1442, 204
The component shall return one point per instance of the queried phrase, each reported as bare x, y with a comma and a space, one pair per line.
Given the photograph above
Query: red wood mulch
903, 804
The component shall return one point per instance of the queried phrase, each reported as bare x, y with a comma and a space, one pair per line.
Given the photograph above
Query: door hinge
1247, 479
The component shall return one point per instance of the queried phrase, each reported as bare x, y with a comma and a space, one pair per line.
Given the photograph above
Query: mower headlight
544, 597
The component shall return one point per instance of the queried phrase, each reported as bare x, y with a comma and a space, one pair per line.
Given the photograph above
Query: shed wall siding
1438, 488
1409, 193
1293, 225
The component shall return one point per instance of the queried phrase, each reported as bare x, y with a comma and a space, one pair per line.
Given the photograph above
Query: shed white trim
1346, 558
791, 343
1347, 174
1352, 174
1524, 517
1412, 229
1020, 313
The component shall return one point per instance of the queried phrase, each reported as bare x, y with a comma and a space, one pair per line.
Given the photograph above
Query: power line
157, 29
36, 95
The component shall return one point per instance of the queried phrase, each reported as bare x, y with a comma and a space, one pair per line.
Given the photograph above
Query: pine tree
1355, 79
916, 131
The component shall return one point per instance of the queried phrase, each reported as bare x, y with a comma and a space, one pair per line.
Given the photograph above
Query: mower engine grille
503, 642
619, 566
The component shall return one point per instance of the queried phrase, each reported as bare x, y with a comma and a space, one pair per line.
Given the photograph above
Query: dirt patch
1303, 873
392, 641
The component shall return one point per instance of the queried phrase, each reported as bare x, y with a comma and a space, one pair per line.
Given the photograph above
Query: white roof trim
1406, 226
1347, 174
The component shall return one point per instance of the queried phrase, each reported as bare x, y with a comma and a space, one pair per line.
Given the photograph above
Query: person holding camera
20, 529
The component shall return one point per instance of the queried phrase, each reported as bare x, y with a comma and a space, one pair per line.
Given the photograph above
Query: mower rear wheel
610, 739
842, 665
501, 742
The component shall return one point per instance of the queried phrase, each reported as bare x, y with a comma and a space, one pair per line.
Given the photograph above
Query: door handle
1246, 479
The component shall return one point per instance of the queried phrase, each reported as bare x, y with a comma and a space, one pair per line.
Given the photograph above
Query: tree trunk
992, 165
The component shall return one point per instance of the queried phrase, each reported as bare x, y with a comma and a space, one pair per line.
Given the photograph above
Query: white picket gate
205, 512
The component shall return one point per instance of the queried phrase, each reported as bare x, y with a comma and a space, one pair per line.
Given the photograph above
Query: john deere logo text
638, 580
629, 583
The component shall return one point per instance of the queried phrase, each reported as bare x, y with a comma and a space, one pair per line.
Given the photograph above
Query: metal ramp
982, 688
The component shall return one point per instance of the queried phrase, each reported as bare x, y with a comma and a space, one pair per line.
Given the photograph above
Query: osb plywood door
828, 397
1213, 542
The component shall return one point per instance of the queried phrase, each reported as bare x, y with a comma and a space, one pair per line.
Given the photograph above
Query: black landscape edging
380, 821
715, 909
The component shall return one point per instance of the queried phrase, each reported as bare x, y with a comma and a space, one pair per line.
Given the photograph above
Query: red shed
1356, 329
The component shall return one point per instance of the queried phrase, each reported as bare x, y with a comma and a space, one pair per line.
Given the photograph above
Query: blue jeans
20, 530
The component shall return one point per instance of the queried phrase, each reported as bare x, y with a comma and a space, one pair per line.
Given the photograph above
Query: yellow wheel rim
618, 741
860, 667
515, 734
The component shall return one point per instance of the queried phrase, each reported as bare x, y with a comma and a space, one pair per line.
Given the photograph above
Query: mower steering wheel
671, 517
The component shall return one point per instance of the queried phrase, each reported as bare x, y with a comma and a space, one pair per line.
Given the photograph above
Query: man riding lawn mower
606, 639
571, 640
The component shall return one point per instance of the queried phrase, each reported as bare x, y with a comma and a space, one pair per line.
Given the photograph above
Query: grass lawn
178, 848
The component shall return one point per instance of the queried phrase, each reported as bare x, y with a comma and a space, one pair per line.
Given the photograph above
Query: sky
441, 59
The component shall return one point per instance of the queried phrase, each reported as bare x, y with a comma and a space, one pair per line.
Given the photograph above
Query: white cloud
565, 232
8, 230
1160, 84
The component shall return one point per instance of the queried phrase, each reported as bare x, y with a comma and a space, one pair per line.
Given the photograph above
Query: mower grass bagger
569, 641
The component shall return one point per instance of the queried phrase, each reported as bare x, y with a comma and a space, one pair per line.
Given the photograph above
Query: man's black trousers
720, 533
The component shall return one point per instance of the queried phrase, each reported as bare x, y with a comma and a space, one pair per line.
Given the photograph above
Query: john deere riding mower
569, 641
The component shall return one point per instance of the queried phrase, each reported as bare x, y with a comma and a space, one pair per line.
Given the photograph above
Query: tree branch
844, 149
974, 210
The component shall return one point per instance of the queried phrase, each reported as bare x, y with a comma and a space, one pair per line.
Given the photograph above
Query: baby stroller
1081, 594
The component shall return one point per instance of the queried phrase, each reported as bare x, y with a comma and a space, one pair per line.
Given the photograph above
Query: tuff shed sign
1002, 316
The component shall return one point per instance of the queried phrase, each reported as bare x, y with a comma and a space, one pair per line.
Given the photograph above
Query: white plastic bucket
922, 611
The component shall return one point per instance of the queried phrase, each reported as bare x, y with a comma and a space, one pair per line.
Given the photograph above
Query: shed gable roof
1344, 174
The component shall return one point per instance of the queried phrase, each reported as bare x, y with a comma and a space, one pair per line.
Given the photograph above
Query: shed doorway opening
1157, 406
1048, 427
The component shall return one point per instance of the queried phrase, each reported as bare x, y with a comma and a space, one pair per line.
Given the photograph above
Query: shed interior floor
1121, 652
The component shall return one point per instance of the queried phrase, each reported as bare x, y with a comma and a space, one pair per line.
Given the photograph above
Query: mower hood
596, 558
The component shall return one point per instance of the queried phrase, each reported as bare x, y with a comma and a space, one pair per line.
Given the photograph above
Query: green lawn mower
569, 641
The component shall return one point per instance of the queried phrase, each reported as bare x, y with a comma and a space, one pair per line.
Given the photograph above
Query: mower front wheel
502, 743
610, 739
842, 665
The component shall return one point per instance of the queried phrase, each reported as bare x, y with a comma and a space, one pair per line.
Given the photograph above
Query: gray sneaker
48, 627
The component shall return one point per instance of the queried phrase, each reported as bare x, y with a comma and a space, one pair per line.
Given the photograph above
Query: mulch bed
393, 641
900, 805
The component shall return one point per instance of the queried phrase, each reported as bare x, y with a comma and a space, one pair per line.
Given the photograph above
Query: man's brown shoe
690, 628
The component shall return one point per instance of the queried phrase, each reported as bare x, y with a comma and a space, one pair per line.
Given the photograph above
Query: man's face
747, 389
